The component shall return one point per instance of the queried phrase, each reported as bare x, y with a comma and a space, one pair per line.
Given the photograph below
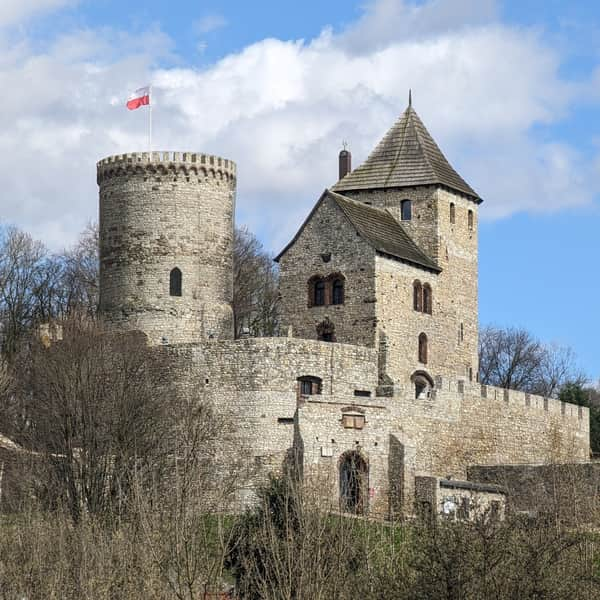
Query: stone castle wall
158, 212
333, 237
464, 424
253, 383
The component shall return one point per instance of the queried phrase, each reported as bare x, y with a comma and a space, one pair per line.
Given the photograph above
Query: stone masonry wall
329, 232
324, 441
464, 424
454, 323
400, 325
159, 212
253, 383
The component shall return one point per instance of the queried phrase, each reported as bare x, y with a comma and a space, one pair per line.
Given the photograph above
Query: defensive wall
254, 384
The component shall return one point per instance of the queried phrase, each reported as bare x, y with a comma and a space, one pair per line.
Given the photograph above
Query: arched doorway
354, 481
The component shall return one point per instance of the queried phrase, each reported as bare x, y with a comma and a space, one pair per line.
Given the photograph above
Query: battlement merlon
166, 161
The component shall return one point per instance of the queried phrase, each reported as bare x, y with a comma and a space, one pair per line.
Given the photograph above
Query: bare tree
80, 274
514, 359
24, 279
95, 409
255, 286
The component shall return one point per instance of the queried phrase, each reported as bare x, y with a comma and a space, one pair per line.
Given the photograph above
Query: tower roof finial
409, 97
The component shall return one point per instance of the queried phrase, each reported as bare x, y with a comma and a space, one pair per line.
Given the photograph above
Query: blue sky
510, 90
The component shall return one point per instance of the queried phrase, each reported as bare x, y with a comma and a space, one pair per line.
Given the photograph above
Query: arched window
452, 213
470, 220
406, 210
316, 291
319, 295
423, 348
417, 296
337, 291
423, 384
427, 299
175, 282
326, 331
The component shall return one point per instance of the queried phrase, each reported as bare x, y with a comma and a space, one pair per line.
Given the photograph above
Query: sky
509, 89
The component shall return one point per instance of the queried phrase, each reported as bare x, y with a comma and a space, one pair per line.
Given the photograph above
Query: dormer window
406, 210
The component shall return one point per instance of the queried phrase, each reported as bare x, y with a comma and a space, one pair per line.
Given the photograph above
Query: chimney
345, 162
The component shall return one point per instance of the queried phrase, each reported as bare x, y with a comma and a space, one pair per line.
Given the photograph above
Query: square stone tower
398, 237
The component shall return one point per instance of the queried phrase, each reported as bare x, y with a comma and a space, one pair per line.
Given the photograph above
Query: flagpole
150, 122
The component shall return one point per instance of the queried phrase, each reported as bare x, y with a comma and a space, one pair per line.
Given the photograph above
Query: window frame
423, 348
338, 291
406, 209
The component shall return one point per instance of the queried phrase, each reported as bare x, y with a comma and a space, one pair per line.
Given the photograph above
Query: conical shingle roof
406, 156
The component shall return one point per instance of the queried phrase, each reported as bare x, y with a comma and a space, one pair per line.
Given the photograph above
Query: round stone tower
166, 245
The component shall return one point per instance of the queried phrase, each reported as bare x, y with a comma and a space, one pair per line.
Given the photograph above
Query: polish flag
139, 98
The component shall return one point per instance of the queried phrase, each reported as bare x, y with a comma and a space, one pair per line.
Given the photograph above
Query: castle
373, 386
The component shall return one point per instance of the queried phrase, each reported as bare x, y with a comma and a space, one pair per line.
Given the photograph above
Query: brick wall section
329, 232
159, 212
400, 325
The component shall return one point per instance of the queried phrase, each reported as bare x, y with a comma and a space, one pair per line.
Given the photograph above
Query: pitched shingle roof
378, 228
406, 156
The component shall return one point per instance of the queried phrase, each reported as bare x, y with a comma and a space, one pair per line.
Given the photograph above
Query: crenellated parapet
166, 163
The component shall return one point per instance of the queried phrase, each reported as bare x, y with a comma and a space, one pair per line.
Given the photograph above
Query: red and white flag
139, 98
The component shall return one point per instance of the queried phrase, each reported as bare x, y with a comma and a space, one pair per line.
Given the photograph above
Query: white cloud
281, 109
210, 23
15, 11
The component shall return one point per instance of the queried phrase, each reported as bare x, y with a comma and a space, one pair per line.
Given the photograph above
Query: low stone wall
570, 492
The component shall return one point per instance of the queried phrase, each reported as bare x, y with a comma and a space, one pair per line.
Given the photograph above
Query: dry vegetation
114, 490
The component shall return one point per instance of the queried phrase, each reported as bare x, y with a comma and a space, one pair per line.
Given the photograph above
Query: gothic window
175, 282
452, 213
309, 385
427, 299
326, 331
406, 210
470, 219
417, 296
337, 295
316, 291
423, 348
